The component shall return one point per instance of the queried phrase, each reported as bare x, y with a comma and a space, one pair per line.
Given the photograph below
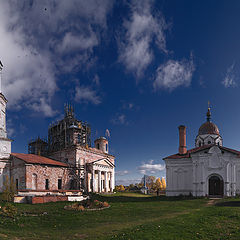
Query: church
209, 169
63, 165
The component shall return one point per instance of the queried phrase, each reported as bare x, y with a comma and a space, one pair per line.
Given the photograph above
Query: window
16, 183
79, 138
47, 184
200, 144
34, 181
106, 147
209, 142
59, 183
98, 147
66, 159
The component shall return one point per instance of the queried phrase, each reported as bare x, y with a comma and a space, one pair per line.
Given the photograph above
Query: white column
112, 180
99, 181
93, 181
106, 180
111, 189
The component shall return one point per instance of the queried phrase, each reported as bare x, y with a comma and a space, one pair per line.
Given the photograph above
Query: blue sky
137, 68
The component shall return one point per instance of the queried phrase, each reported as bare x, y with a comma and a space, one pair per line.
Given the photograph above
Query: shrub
9, 210
105, 204
81, 208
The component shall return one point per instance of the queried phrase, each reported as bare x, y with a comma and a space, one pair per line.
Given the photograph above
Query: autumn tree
158, 185
163, 183
120, 188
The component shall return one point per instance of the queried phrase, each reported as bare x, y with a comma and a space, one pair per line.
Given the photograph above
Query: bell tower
5, 143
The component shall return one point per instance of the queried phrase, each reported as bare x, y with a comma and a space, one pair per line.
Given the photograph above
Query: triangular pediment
103, 161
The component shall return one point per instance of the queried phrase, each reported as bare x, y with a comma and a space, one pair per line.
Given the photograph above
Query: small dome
208, 128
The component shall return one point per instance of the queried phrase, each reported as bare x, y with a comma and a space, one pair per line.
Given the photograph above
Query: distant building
209, 169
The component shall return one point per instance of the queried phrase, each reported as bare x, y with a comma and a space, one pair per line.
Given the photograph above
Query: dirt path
212, 201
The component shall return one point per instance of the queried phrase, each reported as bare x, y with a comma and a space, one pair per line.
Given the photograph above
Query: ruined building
64, 162
90, 169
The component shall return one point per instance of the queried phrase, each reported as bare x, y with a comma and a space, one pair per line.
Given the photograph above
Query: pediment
215, 150
104, 162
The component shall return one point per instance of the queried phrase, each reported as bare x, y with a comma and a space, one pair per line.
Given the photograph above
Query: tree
120, 188
158, 185
9, 190
163, 183
150, 182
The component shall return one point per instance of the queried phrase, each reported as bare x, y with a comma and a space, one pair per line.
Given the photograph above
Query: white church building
209, 169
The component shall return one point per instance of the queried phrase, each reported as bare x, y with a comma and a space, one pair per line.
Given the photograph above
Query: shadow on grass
228, 204
113, 198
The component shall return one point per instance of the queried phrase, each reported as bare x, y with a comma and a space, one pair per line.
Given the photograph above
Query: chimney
182, 140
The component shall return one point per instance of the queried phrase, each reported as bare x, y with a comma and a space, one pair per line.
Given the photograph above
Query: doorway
215, 186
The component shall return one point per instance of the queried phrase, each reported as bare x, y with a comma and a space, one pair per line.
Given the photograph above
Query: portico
101, 177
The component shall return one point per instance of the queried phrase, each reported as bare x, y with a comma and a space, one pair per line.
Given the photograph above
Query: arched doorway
215, 186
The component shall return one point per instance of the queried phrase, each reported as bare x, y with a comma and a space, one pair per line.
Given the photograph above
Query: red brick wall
44, 172
45, 199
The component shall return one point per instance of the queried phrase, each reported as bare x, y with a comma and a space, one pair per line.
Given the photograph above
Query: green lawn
131, 216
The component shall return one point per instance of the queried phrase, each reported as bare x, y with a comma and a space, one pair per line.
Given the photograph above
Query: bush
8, 210
87, 204
105, 204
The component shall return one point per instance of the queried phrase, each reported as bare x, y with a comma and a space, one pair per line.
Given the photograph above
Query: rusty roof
197, 149
208, 128
36, 159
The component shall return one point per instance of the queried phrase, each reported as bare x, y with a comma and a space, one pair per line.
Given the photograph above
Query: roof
36, 159
208, 128
194, 150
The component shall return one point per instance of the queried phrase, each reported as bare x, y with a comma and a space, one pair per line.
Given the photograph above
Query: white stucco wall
191, 175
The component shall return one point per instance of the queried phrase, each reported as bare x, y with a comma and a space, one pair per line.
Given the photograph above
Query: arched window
106, 147
34, 181
98, 147
209, 142
200, 144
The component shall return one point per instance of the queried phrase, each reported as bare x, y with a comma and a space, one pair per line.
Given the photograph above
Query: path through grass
131, 216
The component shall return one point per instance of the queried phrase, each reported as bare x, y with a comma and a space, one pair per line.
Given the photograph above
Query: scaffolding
68, 132
38, 146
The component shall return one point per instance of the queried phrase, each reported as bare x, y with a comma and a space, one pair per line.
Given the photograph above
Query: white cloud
72, 43
151, 167
43, 107
143, 29
119, 119
173, 74
230, 78
127, 182
122, 173
86, 94
96, 80
42, 39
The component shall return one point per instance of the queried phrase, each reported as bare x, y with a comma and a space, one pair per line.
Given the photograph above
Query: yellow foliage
164, 183
159, 185
120, 188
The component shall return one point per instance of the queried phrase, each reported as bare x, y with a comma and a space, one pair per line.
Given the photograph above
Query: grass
131, 216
